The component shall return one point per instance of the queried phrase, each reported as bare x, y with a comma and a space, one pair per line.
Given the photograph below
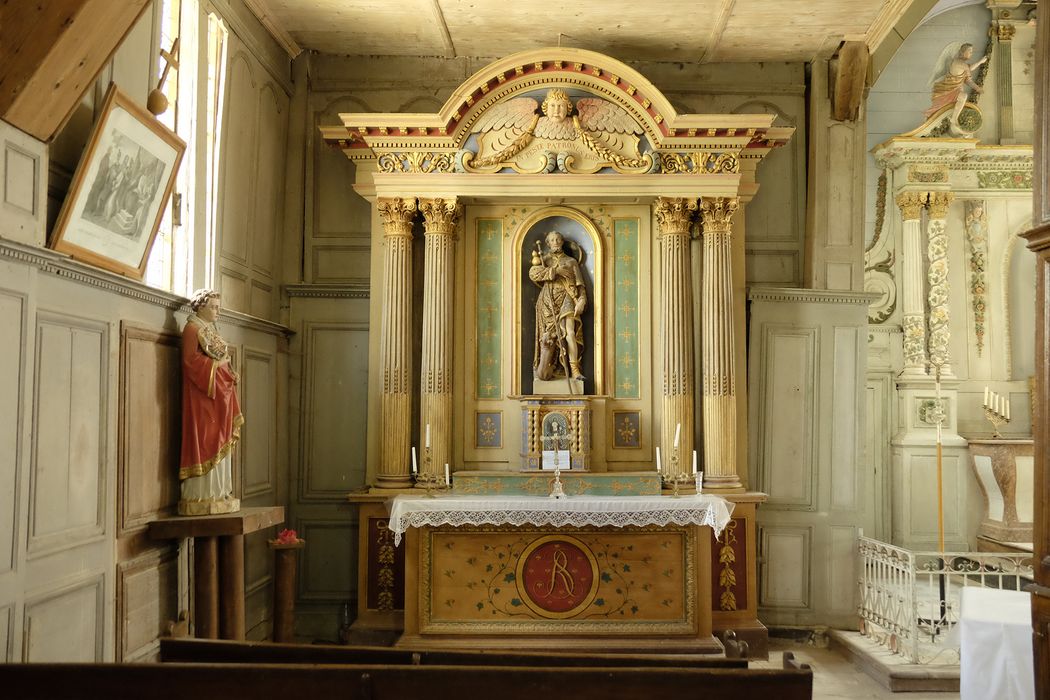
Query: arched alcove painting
581, 243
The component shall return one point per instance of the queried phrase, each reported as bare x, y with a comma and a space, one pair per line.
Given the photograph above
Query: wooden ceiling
670, 30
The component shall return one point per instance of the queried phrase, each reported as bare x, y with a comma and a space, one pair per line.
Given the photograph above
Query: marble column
937, 278
395, 343
440, 222
717, 346
912, 285
674, 217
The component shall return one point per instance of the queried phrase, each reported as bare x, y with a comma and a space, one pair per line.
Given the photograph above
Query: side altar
580, 303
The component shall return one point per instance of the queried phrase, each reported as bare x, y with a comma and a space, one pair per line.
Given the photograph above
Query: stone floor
834, 676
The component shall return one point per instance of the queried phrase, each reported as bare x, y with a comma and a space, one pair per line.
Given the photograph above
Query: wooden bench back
174, 681
222, 651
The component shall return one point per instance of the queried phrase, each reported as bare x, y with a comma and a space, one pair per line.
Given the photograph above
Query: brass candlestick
427, 478
996, 419
678, 479
556, 486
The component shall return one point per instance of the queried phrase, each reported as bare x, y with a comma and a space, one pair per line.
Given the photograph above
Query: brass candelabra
428, 479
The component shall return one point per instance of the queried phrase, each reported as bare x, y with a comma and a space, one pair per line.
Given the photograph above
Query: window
183, 253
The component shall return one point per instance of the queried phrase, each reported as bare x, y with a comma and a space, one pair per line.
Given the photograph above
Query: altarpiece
582, 248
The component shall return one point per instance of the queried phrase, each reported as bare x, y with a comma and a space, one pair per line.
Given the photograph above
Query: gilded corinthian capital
440, 215
397, 214
939, 202
674, 214
911, 204
716, 213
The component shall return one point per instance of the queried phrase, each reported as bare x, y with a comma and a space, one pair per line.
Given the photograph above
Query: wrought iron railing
909, 601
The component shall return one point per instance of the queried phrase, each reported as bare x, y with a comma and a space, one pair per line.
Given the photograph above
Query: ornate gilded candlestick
996, 410
678, 478
428, 478
556, 487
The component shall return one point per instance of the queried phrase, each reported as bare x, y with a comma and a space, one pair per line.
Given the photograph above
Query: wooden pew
189, 650
175, 681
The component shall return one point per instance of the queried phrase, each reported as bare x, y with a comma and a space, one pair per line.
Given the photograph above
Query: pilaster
913, 308
718, 353
395, 351
441, 219
937, 277
674, 217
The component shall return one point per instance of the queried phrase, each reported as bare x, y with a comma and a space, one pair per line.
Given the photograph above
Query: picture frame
118, 193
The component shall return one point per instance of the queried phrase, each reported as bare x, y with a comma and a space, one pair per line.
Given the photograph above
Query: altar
597, 572
557, 281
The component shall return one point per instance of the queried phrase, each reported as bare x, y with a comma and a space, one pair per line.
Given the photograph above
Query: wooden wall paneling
12, 400
234, 288
327, 565
785, 559
23, 187
260, 303
66, 624
150, 426
68, 453
341, 263
7, 620
259, 433
258, 585
846, 427
772, 267
147, 598
272, 130
239, 160
334, 420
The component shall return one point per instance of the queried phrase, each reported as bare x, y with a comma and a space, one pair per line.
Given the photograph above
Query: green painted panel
625, 281
489, 299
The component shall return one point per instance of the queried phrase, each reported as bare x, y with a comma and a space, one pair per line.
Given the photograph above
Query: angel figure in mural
952, 73
211, 413
559, 309
521, 131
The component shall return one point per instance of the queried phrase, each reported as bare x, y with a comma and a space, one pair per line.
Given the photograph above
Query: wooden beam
262, 12
850, 69
50, 53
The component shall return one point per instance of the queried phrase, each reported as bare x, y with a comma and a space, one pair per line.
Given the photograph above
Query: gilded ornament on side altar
558, 135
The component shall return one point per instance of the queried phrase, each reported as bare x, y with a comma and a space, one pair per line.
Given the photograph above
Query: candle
999, 404
986, 397
677, 434
415, 469
1006, 401
694, 461
427, 443
658, 460
699, 482
448, 480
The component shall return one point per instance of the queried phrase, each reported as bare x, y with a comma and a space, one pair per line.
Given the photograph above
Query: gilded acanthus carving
674, 214
716, 213
699, 162
397, 214
911, 204
441, 215
939, 203
977, 240
417, 162
514, 134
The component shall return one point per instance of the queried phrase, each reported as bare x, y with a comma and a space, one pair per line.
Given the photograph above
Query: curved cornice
554, 67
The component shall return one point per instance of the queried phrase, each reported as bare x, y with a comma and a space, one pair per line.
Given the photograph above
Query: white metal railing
909, 601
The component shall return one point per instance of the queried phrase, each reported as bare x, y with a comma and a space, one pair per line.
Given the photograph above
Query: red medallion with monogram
557, 576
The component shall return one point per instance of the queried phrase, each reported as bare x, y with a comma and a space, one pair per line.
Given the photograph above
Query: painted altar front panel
491, 344
642, 588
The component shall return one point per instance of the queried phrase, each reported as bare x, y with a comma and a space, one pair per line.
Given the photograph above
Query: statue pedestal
572, 415
558, 387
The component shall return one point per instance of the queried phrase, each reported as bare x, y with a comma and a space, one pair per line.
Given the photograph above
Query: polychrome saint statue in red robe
211, 414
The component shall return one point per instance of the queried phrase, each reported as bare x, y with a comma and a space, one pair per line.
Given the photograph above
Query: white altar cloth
579, 511
995, 654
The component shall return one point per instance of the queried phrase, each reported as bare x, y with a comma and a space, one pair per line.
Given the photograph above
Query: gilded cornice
363, 135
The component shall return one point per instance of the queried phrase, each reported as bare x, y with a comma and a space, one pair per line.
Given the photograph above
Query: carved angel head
556, 105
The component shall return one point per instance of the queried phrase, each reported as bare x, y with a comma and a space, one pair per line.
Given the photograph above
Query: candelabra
428, 478
996, 410
556, 486
675, 478
996, 419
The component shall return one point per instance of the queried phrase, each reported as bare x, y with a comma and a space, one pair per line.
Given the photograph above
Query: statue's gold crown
556, 95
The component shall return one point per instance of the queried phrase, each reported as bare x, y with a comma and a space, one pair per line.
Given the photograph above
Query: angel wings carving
599, 134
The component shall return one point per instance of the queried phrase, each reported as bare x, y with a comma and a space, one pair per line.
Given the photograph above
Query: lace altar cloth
578, 511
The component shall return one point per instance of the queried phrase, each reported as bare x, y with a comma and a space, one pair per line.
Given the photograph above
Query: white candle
999, 404
658, 460
427, 443
694, 461
677, 434
448, 480
1006, 402
699, 482
986, 397
415, 469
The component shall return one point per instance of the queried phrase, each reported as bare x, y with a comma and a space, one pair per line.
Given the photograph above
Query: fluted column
440, 221
913, 307
937, 277
395, 344
674, 216
717, 346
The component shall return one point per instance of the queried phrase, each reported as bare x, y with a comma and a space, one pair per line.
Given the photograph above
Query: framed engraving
116, 200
